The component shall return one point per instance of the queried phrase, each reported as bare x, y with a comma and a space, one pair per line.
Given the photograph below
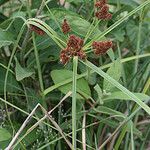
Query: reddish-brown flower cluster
37, 30
101, 47
74, 48
75, 42
100, 3
65, 27
102, 10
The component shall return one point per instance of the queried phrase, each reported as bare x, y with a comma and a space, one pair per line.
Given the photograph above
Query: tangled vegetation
74, 74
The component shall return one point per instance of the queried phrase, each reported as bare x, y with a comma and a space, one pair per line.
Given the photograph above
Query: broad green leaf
108, 111
44, 42
4, 134
6, 38
91, 78
12, 85
99, 92
81, 26
122, 96
22, 73
115, 72
2, 17
62, 75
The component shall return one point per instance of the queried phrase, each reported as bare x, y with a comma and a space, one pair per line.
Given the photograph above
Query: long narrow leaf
118, 85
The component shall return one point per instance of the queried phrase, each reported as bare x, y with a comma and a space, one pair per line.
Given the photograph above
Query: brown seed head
65, 27
101, 47
74, 48
100, 3
37, 30
75, 42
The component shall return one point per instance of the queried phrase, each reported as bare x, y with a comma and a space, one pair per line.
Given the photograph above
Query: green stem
121, 136
123, 70
52, 15
7, 72
126, 141
90, 31
74, 95
123, 132
132, 138
39, 70
145, 139
137, 49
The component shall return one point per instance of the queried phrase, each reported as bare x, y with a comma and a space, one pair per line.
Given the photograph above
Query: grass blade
118, 85
132, 138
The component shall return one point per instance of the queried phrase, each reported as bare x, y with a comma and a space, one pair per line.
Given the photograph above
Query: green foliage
115, 72
93, 101
21, 73
62, 75
118, 95
4, 135
6, 38
12, 84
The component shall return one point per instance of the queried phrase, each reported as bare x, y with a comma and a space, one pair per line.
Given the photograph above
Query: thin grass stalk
84, 132
39, 70
7, 72
122, 67
120, 138
127, 141
120, 126
39, 76
138, 48
145, 139
10, 146
91, 29
42, 119
146, 87
54, 37
74, 97
53, 17
38, 63
132, 137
